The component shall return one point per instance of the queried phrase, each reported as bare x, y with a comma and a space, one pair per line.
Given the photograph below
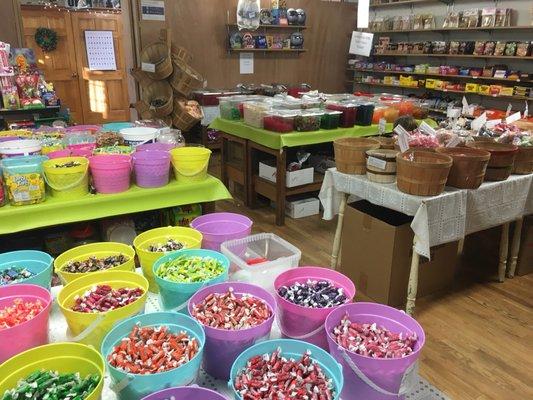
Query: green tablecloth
275, 140
54, 211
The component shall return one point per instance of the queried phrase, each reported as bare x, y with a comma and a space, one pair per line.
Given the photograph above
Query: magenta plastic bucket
111, 172
304, 323
151, 168
83, 128
185, 393
155, 147
31, 333
218, 228
375, 378
82, 149
222, 347
59, 153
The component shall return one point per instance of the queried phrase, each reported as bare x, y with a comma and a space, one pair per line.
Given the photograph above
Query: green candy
186, 269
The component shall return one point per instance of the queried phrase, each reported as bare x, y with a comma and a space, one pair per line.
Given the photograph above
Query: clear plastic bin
308, 121
331, 120
254, 112
348, 110
279, 121
246, 257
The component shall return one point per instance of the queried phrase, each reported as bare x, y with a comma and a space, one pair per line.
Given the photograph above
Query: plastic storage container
20, 147
24, 179
254, 112
349, 111
139, 135
331, 120
364, 114
260, 258
308, 121
279, 121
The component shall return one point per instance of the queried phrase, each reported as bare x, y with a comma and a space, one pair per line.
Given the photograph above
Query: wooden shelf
479, 28
272, 27
402, 3
449, 55
270, 50
443, 76
447, 91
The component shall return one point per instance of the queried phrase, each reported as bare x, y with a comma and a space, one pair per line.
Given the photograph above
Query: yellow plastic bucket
190, 163
91, 328
99, 250
67, 183
21, 133
191, 238
61, 357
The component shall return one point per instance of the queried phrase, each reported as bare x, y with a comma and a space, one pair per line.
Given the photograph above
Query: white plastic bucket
139, 135
21, 147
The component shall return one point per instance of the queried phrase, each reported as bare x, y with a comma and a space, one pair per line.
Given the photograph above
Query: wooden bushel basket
350, 154
502, 158
181, 118
185, 79
523, 163
159, 90
469, 166
158, 54
422, 173
180, 54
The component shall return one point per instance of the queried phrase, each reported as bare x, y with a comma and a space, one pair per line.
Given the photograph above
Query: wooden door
58, 66
104, 94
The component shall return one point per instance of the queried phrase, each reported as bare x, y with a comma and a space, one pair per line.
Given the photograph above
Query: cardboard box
293, 178
302, 208
376, 255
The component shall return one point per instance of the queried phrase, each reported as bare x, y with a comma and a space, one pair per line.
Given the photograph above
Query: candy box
431, 83
484, 89
495, 90
506, 91
304, 176
471, 88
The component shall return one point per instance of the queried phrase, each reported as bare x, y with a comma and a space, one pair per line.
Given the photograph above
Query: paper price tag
509, 108
426, 129
382, 126
513, 118
147, 67
478, 123
453, 112
465, 106
454, 141
400, 130
526, 110
377, 163
492, 123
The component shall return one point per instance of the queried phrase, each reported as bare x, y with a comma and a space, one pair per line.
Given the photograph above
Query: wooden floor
479, 337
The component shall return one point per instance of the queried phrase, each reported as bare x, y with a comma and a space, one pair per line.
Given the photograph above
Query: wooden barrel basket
385, 142
523, 163
350, 154
185, 79
422, 173
469, 166
180, 54
181, 118
159, 96
502, 158
381, 165
157, 54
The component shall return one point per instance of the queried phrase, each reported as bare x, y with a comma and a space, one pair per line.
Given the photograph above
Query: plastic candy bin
246, 256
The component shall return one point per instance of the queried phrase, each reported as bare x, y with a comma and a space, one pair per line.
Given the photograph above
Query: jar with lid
171, 136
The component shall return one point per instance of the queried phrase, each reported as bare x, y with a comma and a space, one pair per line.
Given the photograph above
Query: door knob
74, 74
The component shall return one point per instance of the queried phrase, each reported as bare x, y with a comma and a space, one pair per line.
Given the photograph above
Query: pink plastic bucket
83, 128
374, 378
31, 333
151, 168
304, 323
155, 147
185, 393
59, 153
111, 172
222, 347
218, 228
82, 149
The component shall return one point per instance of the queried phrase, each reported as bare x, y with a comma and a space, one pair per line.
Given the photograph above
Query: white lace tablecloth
437, 219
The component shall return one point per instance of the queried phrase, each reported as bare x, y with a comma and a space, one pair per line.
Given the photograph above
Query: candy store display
94, 263
19, 312
170, 245
313, 294
104, 298
187, 269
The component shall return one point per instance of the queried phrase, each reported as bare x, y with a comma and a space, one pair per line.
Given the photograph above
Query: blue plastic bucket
185, 393
129, 386
290, 349
116, 126
37, 262
174, 295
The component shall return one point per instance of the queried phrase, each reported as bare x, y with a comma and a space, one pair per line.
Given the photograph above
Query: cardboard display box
293, 178
376, 254
302, 208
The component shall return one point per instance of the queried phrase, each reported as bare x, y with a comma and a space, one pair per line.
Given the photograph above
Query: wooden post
504, 248
515, 247
412, 287
281, 172
338, 232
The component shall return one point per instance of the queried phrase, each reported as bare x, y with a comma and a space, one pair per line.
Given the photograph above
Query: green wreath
46, 39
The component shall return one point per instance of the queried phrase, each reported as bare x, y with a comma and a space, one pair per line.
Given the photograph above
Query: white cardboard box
302, 208
292, 179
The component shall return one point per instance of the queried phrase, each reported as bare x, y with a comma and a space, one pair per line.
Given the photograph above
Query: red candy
227, 311
371, 341
19, 312
273, 377
150, 350
104, 298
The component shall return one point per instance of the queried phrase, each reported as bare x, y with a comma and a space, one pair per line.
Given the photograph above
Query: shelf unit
294, 27
479, 28
450, 56
269, 50
407, 3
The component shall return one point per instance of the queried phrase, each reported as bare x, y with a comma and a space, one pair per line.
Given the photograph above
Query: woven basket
385, 142
158, 54
350, 156
469, 166
185, 80
422, 173
502, 158
180, 54
384, 170
159, 90
523, 163
181, 118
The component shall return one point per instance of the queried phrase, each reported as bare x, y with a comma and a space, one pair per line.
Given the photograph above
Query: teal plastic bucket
129, 386
174, 295
116, 126
290, 349
37, 262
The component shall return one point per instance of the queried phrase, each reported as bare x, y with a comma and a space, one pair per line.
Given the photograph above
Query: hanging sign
100, 50
361, 43
363, 9
153, 10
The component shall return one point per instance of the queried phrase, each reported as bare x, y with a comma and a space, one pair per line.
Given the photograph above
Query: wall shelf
300, 27
479, 28
449, 55
404, 3
269, 50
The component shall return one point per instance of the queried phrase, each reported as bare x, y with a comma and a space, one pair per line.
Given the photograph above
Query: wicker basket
181, 118
159, 91
158, 54
385, 142
185, 80
180, 54
381, 165
523, 163
469, 166
422, 173
350, 156
502, 158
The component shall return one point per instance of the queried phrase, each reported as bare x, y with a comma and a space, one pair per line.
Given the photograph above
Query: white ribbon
301, 337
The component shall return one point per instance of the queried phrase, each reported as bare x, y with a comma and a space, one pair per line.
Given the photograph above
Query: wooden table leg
412, 287
338, 232
281, 171
515, 247
504, 249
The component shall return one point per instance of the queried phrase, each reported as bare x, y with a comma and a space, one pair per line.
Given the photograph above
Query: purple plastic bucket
59, 153
218, 228
185, 393
222, 347
111, 172
151, 168
305, 323
155, 147
375, 378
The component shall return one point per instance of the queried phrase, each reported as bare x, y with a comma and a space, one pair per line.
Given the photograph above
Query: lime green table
55, 211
